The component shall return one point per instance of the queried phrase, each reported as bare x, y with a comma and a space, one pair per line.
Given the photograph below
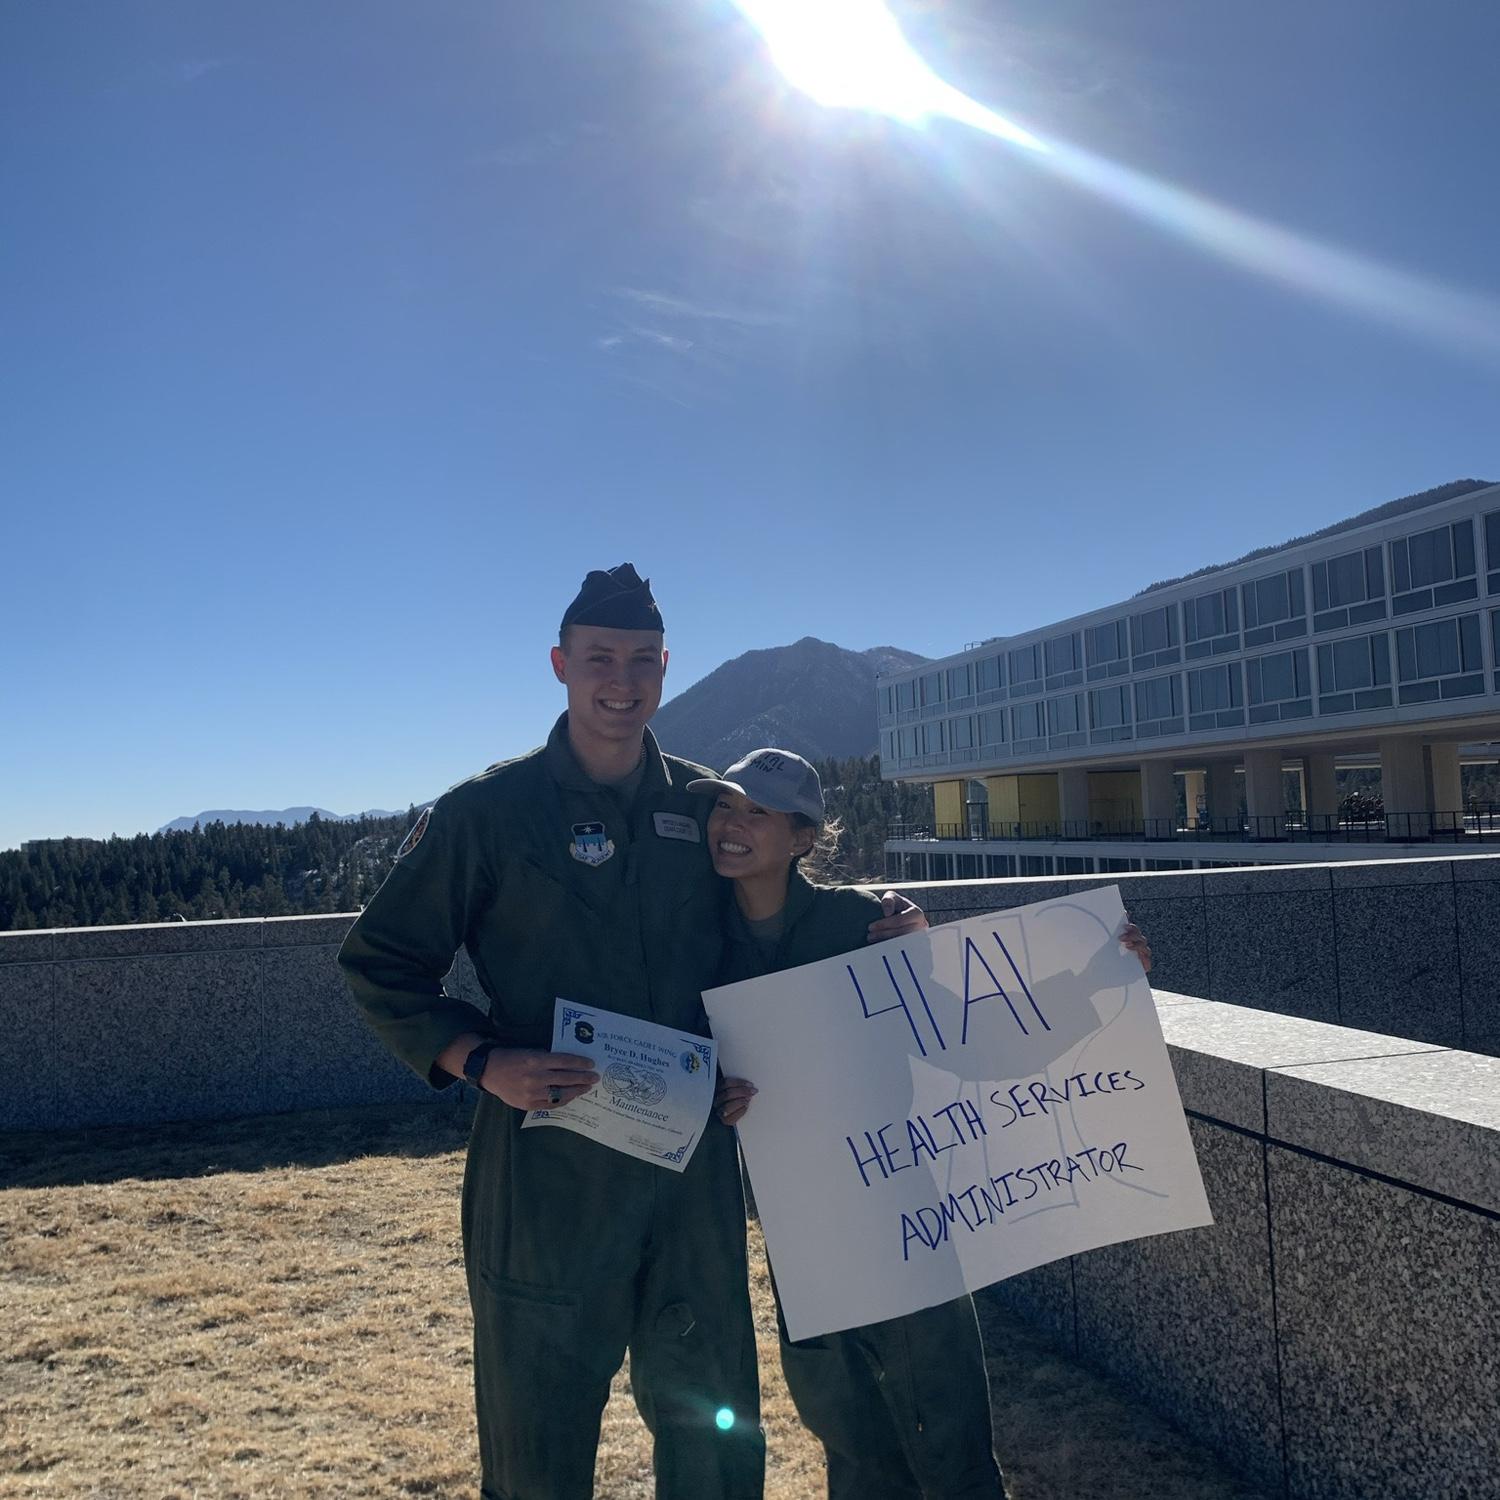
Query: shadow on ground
202, 1148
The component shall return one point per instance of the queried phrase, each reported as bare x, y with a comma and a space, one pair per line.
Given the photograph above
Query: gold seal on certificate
655, 1088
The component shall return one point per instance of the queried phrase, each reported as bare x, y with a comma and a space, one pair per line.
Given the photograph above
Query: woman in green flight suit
901, 1407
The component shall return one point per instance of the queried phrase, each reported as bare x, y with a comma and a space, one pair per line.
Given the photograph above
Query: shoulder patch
414, 838
677, 826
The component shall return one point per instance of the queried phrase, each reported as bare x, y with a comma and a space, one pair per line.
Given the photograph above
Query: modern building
1204, 720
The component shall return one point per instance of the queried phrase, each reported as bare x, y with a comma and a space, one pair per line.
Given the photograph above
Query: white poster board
938, 1112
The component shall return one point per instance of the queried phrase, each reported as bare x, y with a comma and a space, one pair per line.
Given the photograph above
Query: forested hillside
256, 870
220, 870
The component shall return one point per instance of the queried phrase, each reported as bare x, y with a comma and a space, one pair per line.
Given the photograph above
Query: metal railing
1478, 820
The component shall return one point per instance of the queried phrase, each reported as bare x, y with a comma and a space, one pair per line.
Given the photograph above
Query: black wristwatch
475, 1061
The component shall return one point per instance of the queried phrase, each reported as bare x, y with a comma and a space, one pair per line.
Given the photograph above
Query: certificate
656, 1084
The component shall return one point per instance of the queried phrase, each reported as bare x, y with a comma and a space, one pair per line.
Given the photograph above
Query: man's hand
902, 917
1133, 940
732, 1098
528, 1078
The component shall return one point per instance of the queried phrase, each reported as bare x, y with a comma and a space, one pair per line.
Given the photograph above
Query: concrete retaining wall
1336, 1334
1410, 948
124, 1025
186, 1020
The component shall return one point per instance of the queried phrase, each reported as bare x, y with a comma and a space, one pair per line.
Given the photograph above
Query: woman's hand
732, 1098
1133, 940
899, 918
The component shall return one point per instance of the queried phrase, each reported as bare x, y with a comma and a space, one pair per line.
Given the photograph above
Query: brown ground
275, 1308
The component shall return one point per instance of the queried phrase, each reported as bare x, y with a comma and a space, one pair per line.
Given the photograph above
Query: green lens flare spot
724, 1419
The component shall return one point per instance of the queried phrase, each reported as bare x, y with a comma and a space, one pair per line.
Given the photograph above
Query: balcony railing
1475, 821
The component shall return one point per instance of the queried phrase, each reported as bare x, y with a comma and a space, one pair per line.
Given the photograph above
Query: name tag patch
677, 826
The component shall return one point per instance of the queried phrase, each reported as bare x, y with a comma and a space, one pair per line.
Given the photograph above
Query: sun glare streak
851, 54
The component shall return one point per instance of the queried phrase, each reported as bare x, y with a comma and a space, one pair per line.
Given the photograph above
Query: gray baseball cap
777, 779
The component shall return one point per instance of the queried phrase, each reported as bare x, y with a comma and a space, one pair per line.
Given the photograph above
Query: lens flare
851, 54
723, 1419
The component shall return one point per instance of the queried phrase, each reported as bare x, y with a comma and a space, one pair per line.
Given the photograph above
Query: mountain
812, 697
287, 815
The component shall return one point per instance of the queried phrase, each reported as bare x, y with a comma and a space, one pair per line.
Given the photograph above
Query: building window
1492, 551
1109, 714
1028, 727
933, 739
1108, 650
1158, 707
909, 743
906, 695
989, 678
888, 740
1354, 674
1275, 607
1064, 660
1349, 589
1153, 638
1441, 659
1065, 726
1025, 664
1279, 686
930, 689
992, 727
960, 683
1214, 697
1430, 568
1495, 644
1211, 623
961, 734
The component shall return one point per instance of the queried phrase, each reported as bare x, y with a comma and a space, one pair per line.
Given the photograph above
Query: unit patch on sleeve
677, 826
590, 846
414, 838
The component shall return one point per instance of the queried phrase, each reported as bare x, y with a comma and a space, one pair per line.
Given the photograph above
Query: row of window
1428, 569
1434, 661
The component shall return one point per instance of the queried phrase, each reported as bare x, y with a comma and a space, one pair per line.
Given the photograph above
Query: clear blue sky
342, 339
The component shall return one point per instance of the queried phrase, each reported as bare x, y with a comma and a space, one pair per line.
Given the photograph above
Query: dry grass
266, 1309
276, 1308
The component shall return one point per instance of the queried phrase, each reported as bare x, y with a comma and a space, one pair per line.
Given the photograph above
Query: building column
1223, 794
1195, 790
1159, 798
1445, 782
1264, 797
1073, 800
1403, 788
1320, 790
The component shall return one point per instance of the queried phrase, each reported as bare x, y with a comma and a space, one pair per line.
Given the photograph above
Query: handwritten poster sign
939, 1112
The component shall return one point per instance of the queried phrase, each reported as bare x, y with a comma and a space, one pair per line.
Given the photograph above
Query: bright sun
850, 54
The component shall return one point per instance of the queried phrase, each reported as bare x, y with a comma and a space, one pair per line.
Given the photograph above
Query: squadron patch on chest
590, 846
414, 838
677, 826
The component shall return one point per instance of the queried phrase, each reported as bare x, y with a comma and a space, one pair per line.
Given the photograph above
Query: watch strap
475, 1061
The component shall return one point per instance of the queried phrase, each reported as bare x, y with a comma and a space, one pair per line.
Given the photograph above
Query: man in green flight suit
578, 871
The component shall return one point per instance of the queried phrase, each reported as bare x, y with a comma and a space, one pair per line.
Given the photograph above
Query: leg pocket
543, 1360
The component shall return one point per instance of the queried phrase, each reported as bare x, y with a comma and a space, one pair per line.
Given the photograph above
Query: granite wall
186, 1020
1336, 1334
1410, 948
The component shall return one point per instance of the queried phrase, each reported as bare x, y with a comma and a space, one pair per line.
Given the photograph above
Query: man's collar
566, 771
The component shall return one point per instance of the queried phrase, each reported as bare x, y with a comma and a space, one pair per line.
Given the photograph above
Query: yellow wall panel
1038, 797
1005, 803
948, 803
